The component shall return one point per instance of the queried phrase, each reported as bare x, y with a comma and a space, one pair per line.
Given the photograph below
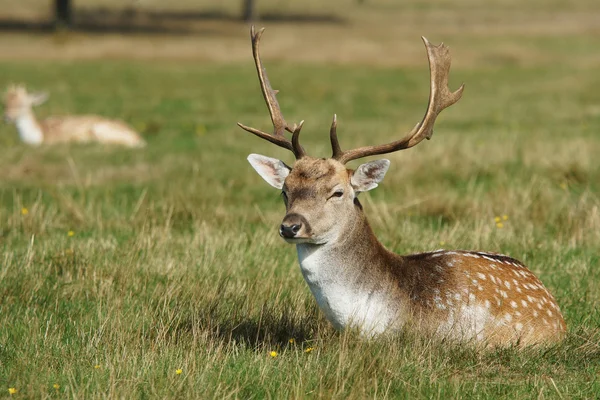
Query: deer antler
440, 97
279, 124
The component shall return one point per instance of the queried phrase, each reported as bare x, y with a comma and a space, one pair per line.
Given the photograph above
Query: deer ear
368, 175
38, 98
272, 170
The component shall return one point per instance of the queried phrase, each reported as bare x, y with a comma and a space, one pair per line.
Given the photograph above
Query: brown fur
432, 285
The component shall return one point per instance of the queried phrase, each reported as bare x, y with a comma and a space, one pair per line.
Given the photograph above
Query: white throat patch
340, 294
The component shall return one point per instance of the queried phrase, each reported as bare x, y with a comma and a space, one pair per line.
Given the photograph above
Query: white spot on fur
473, 255
519, 326
524, 303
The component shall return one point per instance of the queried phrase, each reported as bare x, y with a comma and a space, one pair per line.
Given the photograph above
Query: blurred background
380, 32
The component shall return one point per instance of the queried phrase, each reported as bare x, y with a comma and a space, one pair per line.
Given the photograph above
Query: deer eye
337, 193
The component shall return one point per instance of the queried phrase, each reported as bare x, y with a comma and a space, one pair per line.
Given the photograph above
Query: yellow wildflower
500, 225
309, 349
70, 233
292, 341
273, 354
442, 243
96, 366
12, 390
56, 386
200, 130
505, 217
497, 219
178, 371
24, 211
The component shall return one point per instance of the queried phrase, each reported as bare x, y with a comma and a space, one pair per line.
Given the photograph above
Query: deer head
321, 194
18, 103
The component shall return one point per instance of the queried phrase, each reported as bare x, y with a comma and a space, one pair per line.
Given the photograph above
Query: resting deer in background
81, 128
461, 295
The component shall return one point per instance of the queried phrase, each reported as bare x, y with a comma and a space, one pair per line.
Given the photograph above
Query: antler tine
279, 124
335, 144
440, 97
296, 148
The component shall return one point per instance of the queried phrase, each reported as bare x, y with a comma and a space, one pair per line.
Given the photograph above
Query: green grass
175, 262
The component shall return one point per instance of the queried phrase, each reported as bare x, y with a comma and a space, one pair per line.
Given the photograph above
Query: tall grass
174, 261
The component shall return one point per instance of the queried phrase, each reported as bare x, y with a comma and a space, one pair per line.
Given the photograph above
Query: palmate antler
440, 97
279, 124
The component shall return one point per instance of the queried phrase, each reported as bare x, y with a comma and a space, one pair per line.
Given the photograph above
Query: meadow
159, 273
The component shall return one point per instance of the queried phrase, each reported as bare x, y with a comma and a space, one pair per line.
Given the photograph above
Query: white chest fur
29, 130
342, 295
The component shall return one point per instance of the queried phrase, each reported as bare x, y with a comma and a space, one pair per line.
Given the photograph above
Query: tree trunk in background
249, 10
63, 13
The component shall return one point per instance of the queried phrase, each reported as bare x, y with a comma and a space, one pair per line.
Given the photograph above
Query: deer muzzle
294, 226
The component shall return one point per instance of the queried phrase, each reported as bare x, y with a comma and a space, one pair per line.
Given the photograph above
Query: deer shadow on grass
269, 327
228, 319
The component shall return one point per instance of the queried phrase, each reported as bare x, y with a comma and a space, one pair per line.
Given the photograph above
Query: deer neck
347, 277
29, 129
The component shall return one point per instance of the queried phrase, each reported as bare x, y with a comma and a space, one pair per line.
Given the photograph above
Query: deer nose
289, 231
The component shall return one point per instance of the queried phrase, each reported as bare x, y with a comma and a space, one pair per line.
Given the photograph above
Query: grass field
121, 268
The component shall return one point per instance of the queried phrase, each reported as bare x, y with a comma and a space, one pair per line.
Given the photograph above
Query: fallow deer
465, 296
73, 128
